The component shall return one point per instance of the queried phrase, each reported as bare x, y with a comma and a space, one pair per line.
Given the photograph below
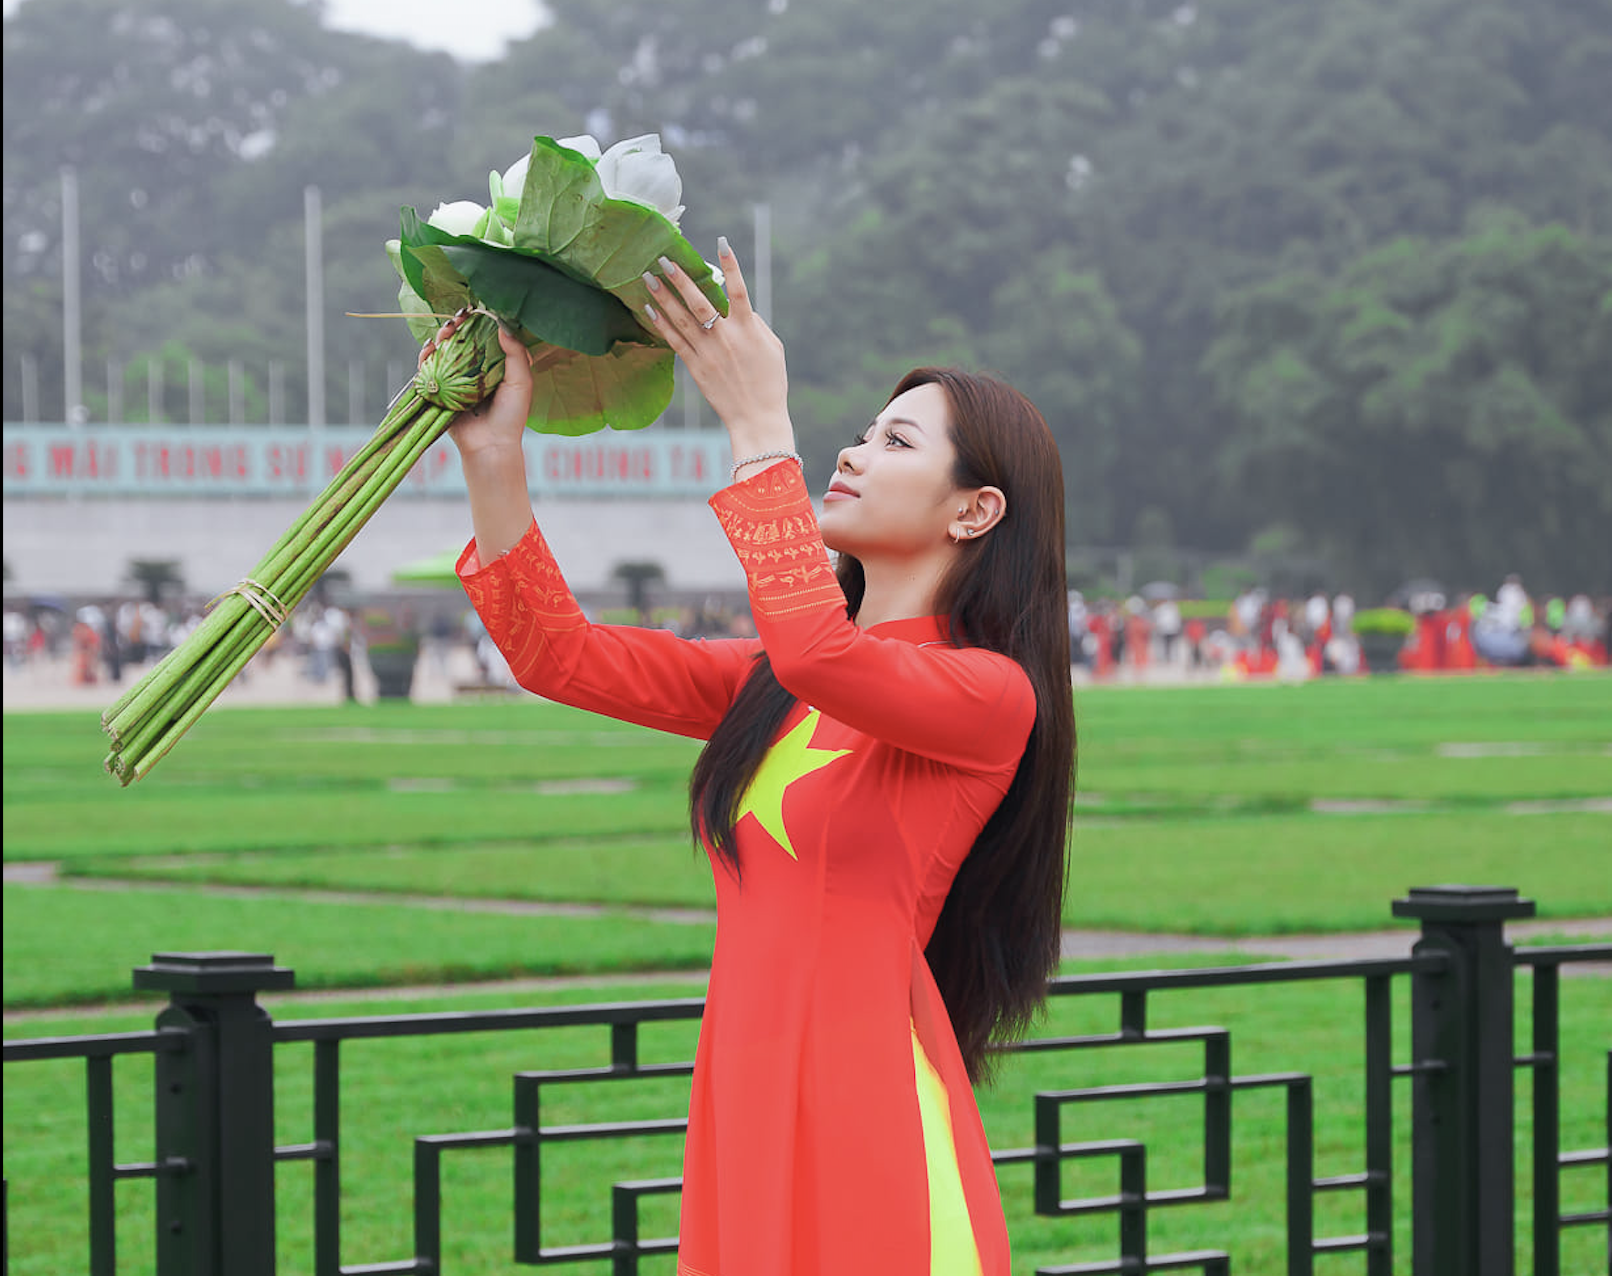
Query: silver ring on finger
711, 322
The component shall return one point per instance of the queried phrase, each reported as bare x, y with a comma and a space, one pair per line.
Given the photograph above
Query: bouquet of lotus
558, 257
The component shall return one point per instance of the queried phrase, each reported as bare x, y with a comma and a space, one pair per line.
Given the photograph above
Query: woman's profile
884, 791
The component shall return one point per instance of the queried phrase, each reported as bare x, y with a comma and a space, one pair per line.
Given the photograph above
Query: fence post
1462, 1093
215, 1113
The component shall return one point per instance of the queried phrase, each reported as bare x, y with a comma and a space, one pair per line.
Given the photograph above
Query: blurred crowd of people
99, 639
102, 640
1257, 635
1138, 638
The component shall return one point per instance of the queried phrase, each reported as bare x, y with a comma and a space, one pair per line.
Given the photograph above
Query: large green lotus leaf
430, 276
574, 393
395, 256
566, 217
561, 187
626, 389
548, 303
574, 316
418, 313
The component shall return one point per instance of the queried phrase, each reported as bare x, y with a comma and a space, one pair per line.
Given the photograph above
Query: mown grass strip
1231, 876
355, 776
67, 945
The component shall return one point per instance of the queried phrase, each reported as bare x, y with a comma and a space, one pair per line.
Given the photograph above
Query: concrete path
46, 685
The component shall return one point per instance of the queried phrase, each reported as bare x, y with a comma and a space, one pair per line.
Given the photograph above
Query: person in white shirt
1167, 625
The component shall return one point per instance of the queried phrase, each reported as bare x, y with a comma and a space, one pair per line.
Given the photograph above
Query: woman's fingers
513, 396
517, 361
449, 327
685, 306
670, 314
681, 311
732, 279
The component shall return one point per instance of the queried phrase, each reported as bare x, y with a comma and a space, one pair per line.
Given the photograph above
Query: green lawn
355, 944
351, 776
393, 1090
1239, 875
1224, 810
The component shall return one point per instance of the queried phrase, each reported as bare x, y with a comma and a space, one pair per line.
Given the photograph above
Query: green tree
1088, 198
637, 577
153, 111
155, 577
1433, 408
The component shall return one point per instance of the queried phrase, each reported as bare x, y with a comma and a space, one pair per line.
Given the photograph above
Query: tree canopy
1341, 272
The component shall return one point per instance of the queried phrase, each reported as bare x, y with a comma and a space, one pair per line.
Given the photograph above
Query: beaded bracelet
780, 454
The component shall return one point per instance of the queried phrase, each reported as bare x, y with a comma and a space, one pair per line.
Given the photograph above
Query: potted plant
1382, 632
393, 649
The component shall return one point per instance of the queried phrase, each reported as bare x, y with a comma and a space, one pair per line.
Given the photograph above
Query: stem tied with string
152, 716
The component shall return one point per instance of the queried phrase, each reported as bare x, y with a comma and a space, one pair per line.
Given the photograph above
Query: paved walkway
49, 685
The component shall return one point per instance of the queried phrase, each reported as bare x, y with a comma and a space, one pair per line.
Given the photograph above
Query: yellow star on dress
787, 761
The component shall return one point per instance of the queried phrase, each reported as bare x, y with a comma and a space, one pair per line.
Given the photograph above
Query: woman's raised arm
737, 361
489, 441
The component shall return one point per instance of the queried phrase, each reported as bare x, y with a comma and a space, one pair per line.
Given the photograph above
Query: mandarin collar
916, 629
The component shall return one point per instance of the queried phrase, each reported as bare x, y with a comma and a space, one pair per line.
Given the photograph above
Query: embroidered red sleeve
770, 523
648, 676
522, 599
963, 707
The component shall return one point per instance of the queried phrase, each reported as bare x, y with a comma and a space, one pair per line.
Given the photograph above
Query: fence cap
1463, 904
213, 972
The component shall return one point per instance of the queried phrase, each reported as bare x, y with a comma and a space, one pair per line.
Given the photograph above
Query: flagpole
316, 310
72, 322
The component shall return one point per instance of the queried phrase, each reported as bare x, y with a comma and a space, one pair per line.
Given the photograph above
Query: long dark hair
998, 935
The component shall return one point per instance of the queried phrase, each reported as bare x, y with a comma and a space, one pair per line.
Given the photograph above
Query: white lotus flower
584, 143
458, 218
513, 179
492, 229
636, 169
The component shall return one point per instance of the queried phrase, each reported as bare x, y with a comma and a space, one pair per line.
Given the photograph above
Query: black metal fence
214, 1163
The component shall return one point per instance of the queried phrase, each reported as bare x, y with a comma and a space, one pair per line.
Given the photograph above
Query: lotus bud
582, 144
515, 175
460, 373
511, 182
491, 229
457, 218
636, 169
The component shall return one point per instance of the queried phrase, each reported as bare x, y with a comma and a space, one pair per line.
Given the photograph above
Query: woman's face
892, 493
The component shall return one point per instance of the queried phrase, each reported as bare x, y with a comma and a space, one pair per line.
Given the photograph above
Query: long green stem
162, 677
286, 576
218, 656
176, 669
233, 654
152, 716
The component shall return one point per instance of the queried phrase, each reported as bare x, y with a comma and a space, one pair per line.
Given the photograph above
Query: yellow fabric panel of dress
952, 1251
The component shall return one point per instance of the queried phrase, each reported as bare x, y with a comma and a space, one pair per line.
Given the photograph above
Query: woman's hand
495, 425
737, 361
489, 439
